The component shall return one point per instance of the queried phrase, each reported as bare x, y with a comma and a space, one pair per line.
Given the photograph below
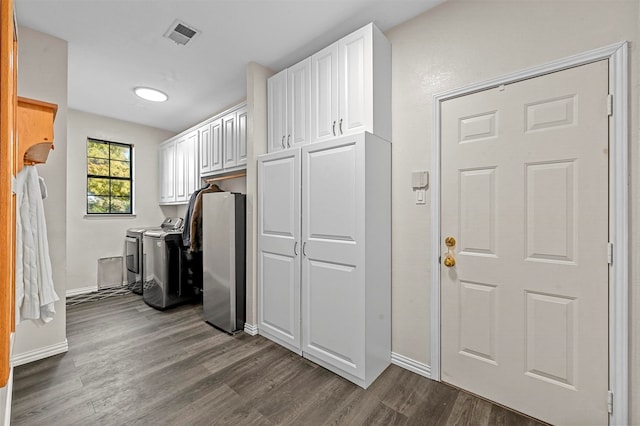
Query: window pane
120, 168
120, 152
97, 149
120, 205
96, 166
97, 186
97, 204
121, 188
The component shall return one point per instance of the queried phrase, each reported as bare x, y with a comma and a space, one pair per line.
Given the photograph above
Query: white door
216, 145
205, 148
192, 168
279, 248
277, 111
242, 136
299, 103
229, 136
182, 151
356, 82
333, 296
525, 194
324, 93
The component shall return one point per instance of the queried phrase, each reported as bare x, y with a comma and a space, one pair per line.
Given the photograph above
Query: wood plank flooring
129, 364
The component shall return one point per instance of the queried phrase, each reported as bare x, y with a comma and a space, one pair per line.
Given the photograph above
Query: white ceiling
116, 45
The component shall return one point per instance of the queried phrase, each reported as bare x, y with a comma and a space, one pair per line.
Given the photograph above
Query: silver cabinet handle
340, 126
333, 128
289, 141
295, 248
282, 143
304, 245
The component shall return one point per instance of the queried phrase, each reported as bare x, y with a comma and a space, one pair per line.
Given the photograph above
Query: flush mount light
150, 94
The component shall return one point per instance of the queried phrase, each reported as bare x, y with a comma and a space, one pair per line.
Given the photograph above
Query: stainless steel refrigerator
224, 260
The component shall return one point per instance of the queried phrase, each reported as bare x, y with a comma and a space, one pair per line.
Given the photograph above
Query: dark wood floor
129, 364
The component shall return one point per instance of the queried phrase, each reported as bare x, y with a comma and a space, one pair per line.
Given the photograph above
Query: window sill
109, 216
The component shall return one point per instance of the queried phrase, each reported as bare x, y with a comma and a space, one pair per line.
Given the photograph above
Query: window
109, 171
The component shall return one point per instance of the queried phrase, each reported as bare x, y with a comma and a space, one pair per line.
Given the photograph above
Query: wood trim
239, 174
7, 169
617, 55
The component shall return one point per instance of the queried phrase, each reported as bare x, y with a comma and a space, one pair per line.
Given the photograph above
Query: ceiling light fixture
150, 94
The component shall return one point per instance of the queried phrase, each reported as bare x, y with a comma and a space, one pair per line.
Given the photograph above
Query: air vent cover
181, 33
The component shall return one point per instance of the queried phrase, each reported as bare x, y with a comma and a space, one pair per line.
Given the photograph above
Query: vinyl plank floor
129, 364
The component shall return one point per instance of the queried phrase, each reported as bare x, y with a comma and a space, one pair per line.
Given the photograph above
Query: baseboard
250, 329
81, 290
411, 365
39, 354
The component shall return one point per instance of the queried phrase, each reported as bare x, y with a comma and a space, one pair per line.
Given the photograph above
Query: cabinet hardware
289, 141
333, 128
304, 252
295, 248
341, 126
282, 143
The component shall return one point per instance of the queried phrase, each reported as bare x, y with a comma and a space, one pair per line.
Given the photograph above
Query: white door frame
618, 212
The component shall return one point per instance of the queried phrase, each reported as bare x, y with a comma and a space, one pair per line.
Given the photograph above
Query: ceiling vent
181, 33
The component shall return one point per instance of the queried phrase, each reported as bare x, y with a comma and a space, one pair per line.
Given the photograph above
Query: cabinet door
216, 145
277, 111
324, 93
166, 171
230, 156
241, 140
279, 248
206, 148
356, 82
192, 169
333, 297
299, 103
182, 152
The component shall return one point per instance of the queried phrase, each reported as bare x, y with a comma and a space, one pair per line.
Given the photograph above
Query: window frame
129, 179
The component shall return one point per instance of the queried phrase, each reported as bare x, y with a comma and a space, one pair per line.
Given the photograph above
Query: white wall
91, 238
42, 75
463, 42
257, 76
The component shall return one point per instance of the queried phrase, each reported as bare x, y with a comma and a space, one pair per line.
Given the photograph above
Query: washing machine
163, 285
134, 251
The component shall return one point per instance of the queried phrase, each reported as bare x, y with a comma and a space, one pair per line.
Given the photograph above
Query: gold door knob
449, 261
449, 258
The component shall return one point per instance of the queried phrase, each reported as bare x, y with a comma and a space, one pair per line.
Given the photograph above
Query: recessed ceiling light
151, 94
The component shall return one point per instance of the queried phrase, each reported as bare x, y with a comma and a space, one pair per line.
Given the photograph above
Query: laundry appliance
134, 253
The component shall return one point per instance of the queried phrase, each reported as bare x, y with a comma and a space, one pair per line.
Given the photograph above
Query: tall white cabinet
324, 253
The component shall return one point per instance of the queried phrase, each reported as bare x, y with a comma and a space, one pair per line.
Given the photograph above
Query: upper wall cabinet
217, 145
289, 97
351, 86
343, 89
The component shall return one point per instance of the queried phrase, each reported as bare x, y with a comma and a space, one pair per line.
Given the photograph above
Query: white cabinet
241, 142
289, 95
234, 138
210, 137
178, 168
324, 253
351, 86
166, 171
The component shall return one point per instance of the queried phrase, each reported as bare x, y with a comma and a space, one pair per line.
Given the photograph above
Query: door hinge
610, 253
610, 402
609, 104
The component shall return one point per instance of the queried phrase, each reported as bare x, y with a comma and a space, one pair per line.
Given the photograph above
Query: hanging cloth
196, 218
35, 293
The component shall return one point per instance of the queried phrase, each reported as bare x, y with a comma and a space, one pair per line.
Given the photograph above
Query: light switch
421, 196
